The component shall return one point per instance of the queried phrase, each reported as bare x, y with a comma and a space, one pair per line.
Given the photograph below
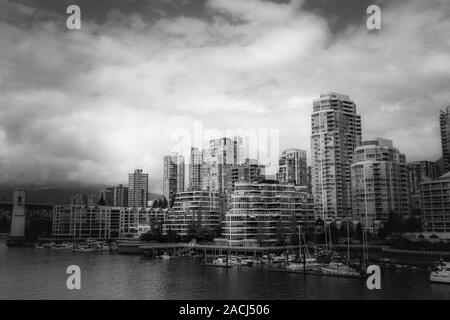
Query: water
28, 273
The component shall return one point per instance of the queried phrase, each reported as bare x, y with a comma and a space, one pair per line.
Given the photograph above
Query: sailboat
305, 263
338, 268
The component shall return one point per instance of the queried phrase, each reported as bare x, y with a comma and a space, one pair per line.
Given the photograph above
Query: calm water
28, 273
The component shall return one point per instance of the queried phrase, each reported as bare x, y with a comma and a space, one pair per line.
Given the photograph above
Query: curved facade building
266, 213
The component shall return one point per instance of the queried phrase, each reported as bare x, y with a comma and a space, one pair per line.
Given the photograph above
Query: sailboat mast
299, 242
348, 241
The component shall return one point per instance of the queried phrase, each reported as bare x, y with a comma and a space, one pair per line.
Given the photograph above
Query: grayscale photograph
206, 151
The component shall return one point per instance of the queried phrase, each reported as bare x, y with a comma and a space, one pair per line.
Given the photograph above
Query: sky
89, 106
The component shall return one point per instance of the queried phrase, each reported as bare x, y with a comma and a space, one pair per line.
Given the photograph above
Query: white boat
235, 261
38, 246
84, 250
64, 246
221, 262
339, 269
165, 256
441, 274
277, 259
247, 262
310, 264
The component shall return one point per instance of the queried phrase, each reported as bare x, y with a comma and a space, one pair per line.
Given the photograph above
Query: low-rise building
266, 213
193, 209
81, 222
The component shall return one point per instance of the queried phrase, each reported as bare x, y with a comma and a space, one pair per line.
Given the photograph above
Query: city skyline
91, 112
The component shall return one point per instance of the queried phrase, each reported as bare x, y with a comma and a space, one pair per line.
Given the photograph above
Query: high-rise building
225, 151
379, 183
249, 171
418, 172
292, 168
137, 189
120, 196
79, 200
435, 202
309, 183
221, 154
336, 132
266, 213
92, 200
173, 177
444, 122
195, 169
106, 196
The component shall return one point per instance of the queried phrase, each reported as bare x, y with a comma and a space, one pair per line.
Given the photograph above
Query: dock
318, 273
217, 265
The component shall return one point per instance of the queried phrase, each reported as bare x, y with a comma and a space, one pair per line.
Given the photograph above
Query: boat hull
436, 278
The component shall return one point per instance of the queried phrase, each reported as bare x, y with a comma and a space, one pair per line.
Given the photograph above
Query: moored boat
165, 256
338, 269
247, 262
64, 246
307, 264
85, 250
441, 273
222, 262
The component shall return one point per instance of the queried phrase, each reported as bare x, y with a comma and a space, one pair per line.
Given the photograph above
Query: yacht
64, 246
247, 262
84, 250
278, 259
234, 261
338, 269
221, 262
441, 273
308, 264
165, 256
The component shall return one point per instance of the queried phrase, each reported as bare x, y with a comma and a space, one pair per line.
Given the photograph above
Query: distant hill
58, 195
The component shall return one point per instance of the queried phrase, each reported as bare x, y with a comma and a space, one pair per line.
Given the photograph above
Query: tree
394, 223
148, 236
359, 231
333, 232
383, 232
280, 235
343, 230
165, 203
412, 224
172, 236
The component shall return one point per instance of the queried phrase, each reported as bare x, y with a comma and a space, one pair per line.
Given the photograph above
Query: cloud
90, 106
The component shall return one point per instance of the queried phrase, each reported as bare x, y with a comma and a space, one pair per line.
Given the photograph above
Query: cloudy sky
88, 106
